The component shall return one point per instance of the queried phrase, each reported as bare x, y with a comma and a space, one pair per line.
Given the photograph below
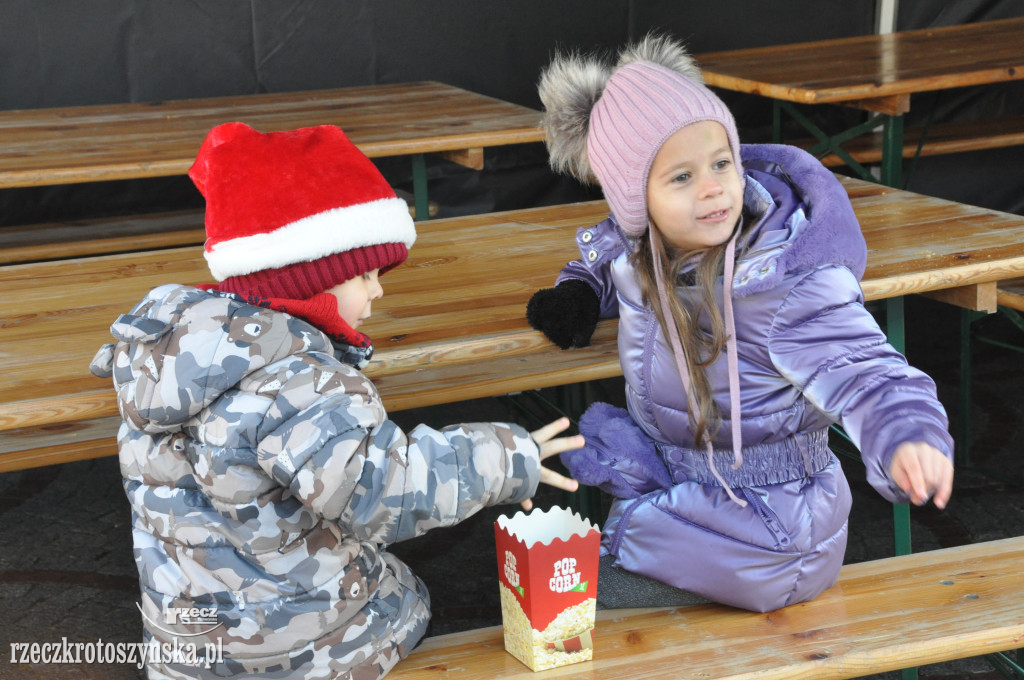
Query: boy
264, 476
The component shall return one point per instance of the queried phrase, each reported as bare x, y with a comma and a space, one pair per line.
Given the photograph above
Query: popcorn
547, 575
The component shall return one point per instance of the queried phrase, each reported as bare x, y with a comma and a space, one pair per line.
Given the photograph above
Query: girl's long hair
700, 349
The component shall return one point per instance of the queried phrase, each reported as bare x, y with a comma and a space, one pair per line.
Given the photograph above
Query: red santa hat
293, 214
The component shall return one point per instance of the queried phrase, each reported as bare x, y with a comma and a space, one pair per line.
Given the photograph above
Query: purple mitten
619, 457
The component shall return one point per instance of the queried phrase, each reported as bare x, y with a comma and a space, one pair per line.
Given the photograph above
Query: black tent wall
80, 52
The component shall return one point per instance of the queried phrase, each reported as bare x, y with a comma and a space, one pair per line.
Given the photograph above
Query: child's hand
550, 447
923, 472
567, 314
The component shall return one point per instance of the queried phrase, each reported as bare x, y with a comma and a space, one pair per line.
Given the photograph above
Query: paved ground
66, 569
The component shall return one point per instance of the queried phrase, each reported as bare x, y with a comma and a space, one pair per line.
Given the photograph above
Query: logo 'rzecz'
191, 615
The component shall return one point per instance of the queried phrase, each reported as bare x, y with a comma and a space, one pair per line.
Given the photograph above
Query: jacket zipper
771, 522
624, 521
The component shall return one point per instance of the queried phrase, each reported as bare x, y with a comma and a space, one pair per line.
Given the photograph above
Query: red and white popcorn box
547, 573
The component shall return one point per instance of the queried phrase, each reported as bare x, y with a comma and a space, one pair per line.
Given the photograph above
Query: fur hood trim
831, 234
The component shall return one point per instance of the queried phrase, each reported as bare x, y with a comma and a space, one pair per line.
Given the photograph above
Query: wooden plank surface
979, 297
451, 325
864, 69
121, 141
1011, 294
881, 615
83, 238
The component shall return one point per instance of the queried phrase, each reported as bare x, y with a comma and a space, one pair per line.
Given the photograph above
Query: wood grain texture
881, 615
451, 325
980, 297
110, 235
122, 141
873, 71
1011, 294
83, 238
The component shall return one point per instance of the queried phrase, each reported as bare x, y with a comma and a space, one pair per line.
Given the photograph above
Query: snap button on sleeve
592, 255
587, 237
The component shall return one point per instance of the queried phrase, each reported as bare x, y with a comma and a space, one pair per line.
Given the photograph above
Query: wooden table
124, 141
881, 615
451, 325
877, 73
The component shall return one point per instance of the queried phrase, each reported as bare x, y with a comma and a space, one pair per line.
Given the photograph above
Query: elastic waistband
796, 457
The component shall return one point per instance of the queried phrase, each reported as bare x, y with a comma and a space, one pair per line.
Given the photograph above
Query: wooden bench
451, 325
883, 615
70, 145
1011, 294
158, 139
939, 139
110, 235
86, 238
877, 73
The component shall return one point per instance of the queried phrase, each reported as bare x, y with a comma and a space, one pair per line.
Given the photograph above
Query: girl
742, 336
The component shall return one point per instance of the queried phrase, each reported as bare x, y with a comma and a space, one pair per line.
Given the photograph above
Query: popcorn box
547, 573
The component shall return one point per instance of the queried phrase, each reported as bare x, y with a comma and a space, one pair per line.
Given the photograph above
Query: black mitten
567, 313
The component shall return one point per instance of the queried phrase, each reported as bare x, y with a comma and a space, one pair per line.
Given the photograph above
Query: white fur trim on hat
333, 231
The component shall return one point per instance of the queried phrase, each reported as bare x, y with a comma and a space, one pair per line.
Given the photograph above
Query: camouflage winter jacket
265, 480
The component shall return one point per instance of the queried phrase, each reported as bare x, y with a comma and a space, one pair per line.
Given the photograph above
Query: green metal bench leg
894, 326
901, 528
892, 151
897, 338
419, 186
963, 444
963, 448
1006, 666
967, 337
892, 141
901, 511
828, 143
1016, 319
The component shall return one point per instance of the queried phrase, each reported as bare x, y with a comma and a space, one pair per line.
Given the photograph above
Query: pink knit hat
292, 214
643, 105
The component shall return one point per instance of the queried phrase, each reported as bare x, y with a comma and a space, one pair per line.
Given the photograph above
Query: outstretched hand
551, 446
922, 472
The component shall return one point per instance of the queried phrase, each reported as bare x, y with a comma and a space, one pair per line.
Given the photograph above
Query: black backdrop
79, 52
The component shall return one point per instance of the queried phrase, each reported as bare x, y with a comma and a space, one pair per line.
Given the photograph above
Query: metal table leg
901, 511
897, 338
892, 151
419, 186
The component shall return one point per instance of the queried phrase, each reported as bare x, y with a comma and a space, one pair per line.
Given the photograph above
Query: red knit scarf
320, 310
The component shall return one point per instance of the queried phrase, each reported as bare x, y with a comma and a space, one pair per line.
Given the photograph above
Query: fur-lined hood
830, 235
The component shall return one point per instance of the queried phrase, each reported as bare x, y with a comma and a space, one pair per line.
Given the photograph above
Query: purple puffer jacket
809, 355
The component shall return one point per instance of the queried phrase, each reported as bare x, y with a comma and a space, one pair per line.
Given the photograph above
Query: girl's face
694, 193
356, 295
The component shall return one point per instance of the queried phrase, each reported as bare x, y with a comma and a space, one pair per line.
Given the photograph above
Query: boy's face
355, 296
694, 193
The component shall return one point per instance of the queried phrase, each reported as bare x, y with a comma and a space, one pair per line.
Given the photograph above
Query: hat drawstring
731, 353
732, 357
